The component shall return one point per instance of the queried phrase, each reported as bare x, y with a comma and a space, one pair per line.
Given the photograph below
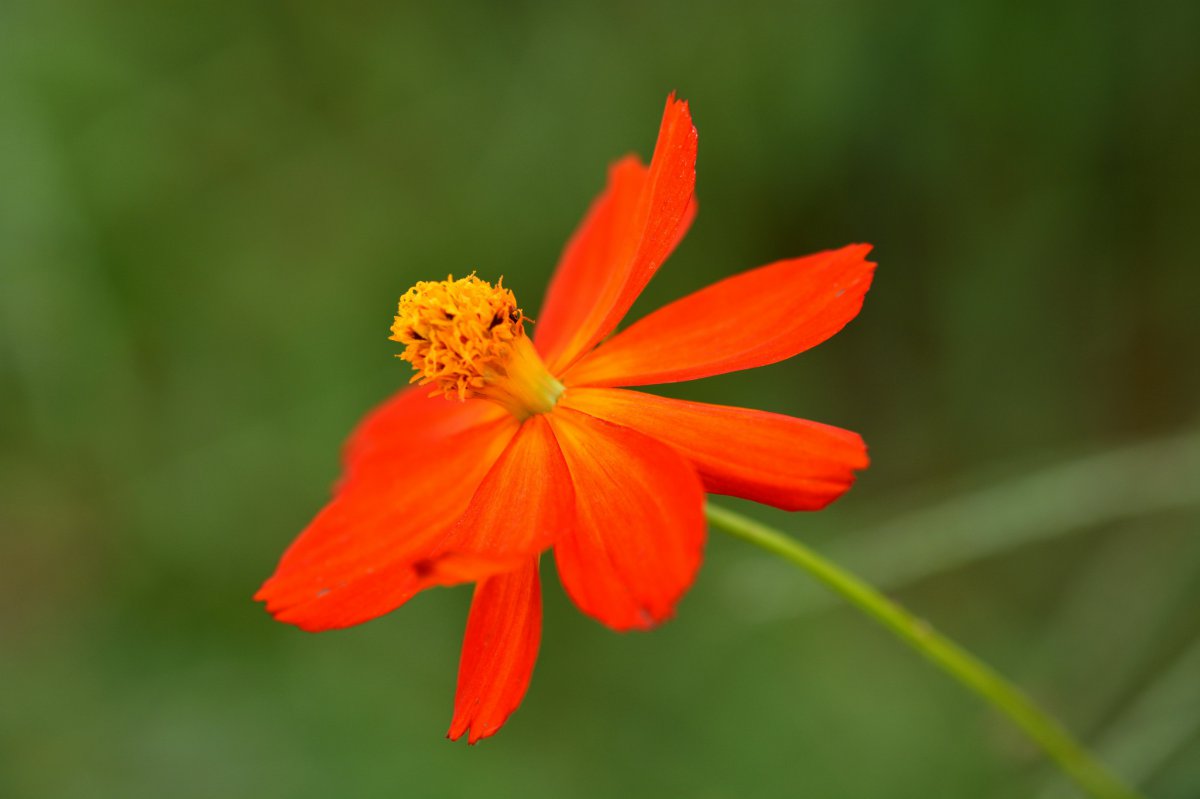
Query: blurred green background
208, 210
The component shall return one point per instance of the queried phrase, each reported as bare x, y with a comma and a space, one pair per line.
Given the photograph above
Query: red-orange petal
522, 505
639, 533
499, 650
588, 263
793, 464
396, 428
752, 319
361, 556
627, 234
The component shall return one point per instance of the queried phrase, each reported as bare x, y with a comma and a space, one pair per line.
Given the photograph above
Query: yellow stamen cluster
467, 338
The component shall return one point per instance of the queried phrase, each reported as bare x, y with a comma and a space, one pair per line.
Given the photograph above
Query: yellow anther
467, 338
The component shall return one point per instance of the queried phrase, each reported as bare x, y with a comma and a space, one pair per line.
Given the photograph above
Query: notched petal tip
789, 463
678, 106
755, 318
627, 234
499, 652
474, 734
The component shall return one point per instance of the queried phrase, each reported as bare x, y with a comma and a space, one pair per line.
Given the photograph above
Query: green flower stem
977, 676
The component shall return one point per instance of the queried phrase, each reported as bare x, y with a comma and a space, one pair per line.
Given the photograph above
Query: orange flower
526, 445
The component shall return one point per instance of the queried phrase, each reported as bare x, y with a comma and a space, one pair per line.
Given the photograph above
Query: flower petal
504, 630
752, 319
793, 464
588, 263
360, 557
411, 415
639, 531
625, 237
523, 504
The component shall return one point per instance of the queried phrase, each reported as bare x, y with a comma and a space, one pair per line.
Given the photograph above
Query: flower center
467, 338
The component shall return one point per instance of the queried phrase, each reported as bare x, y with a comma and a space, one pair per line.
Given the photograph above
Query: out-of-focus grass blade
1163, 718
1129, 604
1130, 482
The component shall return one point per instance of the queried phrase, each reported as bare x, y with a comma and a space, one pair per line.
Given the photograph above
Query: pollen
467, 339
